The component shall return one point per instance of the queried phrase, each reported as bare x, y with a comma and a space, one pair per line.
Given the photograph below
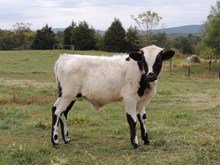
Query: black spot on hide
59, 89
79, 95
55, 137
144, 84
144, 117
127, 59
54, 109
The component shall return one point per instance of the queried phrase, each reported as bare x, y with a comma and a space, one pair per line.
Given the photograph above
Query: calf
129, 78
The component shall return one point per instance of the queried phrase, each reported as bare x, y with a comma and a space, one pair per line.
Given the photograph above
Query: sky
100, 13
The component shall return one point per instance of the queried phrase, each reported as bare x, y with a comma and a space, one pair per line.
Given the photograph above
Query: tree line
116, 38
84, 37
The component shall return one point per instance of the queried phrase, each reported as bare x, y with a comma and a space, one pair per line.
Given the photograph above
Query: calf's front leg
142, 119
132, 121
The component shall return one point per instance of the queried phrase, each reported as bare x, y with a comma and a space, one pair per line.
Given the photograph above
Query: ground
183, 119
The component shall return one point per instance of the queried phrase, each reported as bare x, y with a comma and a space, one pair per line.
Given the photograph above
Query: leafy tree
7, 40
114, 37
211, 36
204, 51
83, 37
160, 39
44, 39
24, 35
147, 21
133, 41
184, 44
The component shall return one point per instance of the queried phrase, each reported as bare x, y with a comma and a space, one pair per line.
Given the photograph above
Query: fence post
189, 71
210, 63
219, 73
171, 65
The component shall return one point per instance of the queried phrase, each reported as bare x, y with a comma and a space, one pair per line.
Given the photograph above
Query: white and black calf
130, 78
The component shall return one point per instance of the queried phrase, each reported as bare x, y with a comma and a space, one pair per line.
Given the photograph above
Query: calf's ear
167, 54
136, 56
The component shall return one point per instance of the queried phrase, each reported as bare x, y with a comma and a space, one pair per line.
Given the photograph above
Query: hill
187, 29
184, 29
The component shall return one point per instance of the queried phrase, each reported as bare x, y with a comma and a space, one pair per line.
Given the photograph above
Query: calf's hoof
147, 142
68, 142
136, 146
56, 145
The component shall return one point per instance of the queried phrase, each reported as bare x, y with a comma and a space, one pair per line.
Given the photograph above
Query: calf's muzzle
151, 77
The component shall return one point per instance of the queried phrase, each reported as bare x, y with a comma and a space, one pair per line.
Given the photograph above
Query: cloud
100, 13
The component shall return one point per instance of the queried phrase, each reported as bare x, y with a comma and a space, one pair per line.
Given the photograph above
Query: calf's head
150, 61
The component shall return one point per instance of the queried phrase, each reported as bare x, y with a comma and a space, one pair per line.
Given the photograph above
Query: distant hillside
187, 29
184, 29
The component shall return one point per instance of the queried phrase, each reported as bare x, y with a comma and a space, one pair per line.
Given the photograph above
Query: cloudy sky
100, 13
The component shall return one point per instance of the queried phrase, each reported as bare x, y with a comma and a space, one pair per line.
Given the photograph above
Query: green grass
183, 119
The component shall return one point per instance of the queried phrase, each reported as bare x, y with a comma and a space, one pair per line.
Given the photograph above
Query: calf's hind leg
63, 123
59, 110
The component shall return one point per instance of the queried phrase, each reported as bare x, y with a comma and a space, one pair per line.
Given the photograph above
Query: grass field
183, 119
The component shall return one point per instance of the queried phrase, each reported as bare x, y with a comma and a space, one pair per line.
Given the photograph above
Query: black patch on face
157, 65
144, 84
143, 65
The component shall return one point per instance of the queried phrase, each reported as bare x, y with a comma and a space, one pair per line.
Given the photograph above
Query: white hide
102, 80
151, 54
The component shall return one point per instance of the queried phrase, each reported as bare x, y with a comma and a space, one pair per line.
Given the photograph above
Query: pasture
183, 119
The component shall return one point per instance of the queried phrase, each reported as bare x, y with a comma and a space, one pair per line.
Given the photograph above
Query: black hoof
136, 146
56, 145
147, 142
68, 142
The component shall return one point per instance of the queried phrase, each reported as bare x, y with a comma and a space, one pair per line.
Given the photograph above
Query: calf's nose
151, 77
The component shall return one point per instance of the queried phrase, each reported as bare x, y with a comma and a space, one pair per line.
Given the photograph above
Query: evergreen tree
114, 37
133, 41
83, 37
44, 39
68, 32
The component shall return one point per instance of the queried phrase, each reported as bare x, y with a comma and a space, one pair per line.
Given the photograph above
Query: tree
160, 39
211, 36
147, 21
83, 37
68, 32
59, 38
7, 40
184, 44
114, 37
24, 35
133, 41
44, 39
